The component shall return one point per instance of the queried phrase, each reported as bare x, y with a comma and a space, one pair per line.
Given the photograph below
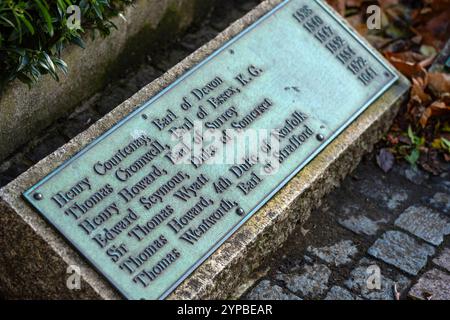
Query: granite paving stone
387, 196
361, 224
337, 254
424, 223
359, 216
445, 185
443, 260
361, 281
397, 239
312, 283
433, 285
293, 265
414, 175
402, 251
265, 290
442, 182
441, 202
339, 293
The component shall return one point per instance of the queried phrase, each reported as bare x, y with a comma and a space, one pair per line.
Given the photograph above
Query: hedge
34, 32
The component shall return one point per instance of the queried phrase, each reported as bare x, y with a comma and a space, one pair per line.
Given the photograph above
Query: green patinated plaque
147, 202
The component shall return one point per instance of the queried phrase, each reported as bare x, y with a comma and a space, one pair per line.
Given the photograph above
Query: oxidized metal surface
147, 202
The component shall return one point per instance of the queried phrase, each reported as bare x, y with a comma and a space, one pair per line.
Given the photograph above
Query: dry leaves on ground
412, 34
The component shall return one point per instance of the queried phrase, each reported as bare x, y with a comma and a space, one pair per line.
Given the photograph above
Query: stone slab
389, 197
362, 281
433, 285
424, 223
443, 259
440, 202
413, 174
338, 293
265, 290
402, 251
311, 283
361, 224
29, 245
338, 254
356, 214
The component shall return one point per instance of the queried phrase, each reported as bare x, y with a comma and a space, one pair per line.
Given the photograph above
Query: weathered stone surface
443, 260
265, 290
356, 214
360, 224
413, 174
433, 285
310, 284
362, 282
445, 185
425, 224
339, 293
387, 196
402, 251
237, 258
337, 254
440, 202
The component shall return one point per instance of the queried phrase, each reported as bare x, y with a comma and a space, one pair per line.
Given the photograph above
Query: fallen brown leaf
437, 108
439, 82
408, 68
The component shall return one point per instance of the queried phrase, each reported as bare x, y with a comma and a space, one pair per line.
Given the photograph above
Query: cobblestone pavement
394, 225
121, 88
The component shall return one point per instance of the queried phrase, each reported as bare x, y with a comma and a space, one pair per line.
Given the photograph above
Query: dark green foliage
34, 32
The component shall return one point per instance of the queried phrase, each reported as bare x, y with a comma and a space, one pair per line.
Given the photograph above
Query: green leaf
413, 157
445, 144
79, 42
19, 51
49, 62
24, 61
411, 135
34, 32
61, 65
7, 21
416, 140
25, 78
97, 10
46, 15
27, 23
